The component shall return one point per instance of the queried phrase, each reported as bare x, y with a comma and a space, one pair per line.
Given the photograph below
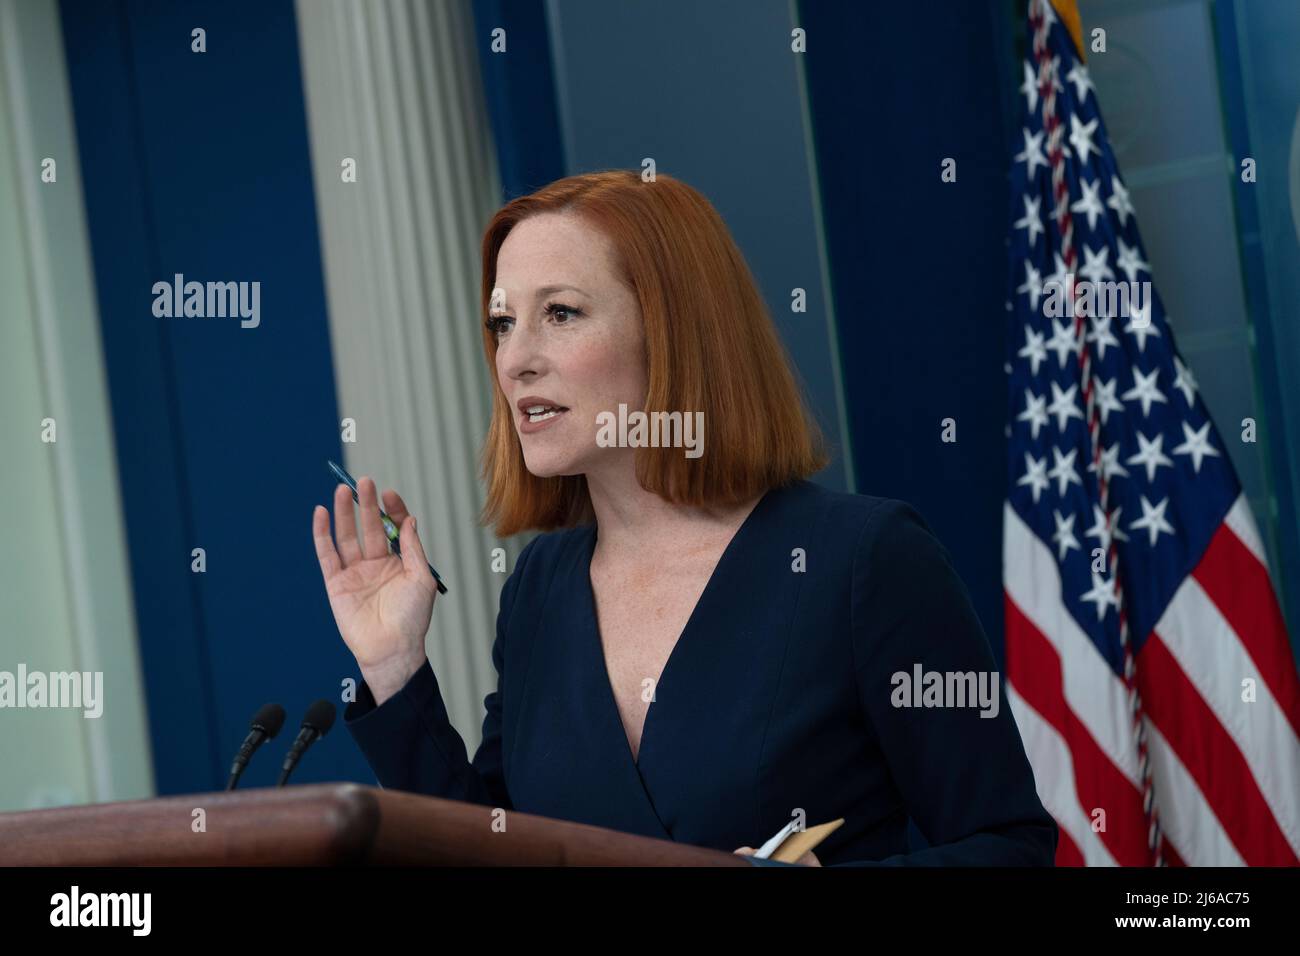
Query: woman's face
569, 341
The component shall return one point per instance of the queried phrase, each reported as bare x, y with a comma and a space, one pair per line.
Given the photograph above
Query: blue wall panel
198, 163
519, 85
919, 265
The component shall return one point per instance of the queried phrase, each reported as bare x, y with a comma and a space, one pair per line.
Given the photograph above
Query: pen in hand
390, 529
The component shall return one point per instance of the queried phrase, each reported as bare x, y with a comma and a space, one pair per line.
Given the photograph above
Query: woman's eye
555, 309
562, 314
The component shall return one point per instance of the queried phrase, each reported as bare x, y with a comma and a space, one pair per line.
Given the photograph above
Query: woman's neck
632, 521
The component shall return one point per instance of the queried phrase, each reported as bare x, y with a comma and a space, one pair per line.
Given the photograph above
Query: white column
65, 597
394, 85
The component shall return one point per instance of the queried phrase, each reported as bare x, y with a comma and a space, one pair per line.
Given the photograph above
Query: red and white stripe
1226, 768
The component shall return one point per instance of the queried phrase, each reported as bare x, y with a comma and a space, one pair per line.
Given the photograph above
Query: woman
703, 644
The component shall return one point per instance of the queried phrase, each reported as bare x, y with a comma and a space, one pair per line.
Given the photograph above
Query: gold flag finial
1068, 11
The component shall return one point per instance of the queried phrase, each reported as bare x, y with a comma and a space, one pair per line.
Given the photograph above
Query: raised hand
382, 602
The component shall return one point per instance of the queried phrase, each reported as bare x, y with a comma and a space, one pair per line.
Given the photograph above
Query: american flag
1148, 664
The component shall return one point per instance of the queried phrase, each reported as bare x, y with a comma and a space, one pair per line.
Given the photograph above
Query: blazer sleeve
962, 772
410, 743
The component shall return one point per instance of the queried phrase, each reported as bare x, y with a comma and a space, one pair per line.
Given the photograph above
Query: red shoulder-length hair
710, 346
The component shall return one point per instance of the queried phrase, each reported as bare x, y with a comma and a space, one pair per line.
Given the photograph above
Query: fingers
330, 562
396, 507
345, 526
374, 543
413, 560
745, 851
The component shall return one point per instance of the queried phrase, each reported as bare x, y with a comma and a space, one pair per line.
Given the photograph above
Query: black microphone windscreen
320, 717
269, 720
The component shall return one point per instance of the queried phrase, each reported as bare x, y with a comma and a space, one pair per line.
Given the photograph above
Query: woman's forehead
556, 242
538, 278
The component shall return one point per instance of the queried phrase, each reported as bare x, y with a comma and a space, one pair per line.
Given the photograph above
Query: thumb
413, 559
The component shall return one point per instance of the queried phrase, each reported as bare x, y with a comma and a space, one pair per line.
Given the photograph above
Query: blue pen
390, 528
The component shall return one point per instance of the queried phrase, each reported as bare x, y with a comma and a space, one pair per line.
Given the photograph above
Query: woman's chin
550, 466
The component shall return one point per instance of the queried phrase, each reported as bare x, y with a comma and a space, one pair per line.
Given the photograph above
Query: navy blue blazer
779, 695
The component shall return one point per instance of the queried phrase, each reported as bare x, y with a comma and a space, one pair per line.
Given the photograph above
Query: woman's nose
520, 354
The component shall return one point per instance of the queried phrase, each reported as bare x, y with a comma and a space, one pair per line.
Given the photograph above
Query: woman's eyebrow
541, 293
552, 289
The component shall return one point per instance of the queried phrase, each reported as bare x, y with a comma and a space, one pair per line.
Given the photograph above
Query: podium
327, 824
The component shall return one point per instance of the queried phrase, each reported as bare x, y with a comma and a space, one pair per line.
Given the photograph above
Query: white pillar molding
65, 601
394, 85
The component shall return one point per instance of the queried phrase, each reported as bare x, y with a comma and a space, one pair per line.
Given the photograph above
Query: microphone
317, 723
265, 725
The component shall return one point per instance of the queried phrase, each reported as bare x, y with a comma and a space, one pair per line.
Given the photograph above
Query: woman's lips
527, 426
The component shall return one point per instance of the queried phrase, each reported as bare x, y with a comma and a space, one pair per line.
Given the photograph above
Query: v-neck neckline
594, 635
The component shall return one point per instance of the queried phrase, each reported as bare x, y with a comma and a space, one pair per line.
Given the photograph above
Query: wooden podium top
327, 824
